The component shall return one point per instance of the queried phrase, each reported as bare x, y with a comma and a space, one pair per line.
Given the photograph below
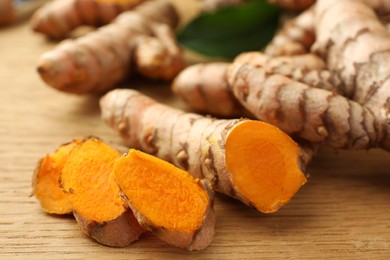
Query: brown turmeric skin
205, 147
315, 115
296, 36
166, 200
306, 68
90, 188
205, 88
7, 12
58, 18
159, 57
356, 45
99, 60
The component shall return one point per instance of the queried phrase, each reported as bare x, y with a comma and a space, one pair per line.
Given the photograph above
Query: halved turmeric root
167, 200
271, 181
46, 179
249, 160
91, 190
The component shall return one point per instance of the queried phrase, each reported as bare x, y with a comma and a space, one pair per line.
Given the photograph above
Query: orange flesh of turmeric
264, 164
88, 181
47, 186
166, 195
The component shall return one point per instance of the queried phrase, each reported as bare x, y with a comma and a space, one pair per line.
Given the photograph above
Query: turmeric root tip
264, 165
166, 200
91, 190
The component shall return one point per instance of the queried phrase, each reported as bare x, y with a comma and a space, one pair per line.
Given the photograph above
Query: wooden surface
343, 211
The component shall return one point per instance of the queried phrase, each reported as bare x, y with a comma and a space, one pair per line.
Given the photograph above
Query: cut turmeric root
217, 150
275, 179
166, 200
46, 179
91, 190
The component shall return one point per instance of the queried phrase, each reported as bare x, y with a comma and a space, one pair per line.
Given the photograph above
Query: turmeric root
294, 5
204, 87
248, 160
167, 200
213, 5
46, 180
90, 188
355, 45
159, 57
312, 114
58, 18
305, 68
6, 12
97, 61
296, 36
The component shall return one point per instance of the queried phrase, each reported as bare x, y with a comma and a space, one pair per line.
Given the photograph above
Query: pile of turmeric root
322, 81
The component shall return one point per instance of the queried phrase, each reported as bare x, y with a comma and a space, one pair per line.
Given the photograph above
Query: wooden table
343, 211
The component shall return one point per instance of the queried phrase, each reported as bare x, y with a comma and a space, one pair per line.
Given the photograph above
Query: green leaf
231, 31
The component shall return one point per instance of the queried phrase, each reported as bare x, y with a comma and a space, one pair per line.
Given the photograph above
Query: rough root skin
356, 45
58, 18
165, 132
306, 68
120, 232
159, 57
96, 62
295, 37
204, 87
312, 114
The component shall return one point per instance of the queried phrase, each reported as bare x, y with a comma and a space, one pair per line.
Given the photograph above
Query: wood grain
342, 212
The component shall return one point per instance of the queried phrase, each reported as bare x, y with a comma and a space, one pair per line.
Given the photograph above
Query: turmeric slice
166, 200
91, 190
46, 180
207, 148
